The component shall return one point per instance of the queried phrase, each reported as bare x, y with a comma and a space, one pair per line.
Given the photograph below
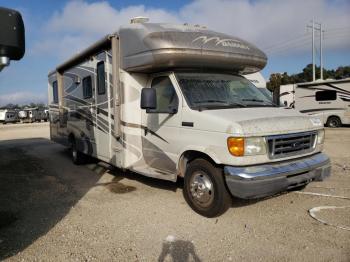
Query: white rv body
8, 116
328, 100
95, 102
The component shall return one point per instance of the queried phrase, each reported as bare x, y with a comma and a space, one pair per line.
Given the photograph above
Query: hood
257, 121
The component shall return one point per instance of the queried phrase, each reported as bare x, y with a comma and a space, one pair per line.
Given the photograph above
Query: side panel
305, 100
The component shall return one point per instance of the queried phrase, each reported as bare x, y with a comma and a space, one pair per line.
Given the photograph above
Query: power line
295, 46
285, 42
339, 28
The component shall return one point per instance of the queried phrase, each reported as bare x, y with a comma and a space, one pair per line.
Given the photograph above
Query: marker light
235, 146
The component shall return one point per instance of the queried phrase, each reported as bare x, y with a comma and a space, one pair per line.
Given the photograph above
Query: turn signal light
235, 146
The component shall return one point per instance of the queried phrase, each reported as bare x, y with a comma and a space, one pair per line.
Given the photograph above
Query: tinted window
167, 100
326, 95
87, 87
55, 92
101, 85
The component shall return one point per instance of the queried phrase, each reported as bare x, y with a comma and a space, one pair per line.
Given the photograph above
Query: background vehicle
328, 99
30, 115
168, 100
8, 116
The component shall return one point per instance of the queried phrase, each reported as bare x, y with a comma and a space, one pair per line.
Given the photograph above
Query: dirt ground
51, 210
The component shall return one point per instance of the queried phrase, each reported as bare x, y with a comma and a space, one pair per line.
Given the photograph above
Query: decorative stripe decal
145, 128
320, 109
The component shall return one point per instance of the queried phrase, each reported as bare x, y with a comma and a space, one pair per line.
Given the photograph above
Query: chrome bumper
268, 179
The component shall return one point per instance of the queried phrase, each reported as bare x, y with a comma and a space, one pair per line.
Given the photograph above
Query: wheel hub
201, 189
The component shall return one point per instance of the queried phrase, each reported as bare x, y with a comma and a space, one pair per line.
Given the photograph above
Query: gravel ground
51, 210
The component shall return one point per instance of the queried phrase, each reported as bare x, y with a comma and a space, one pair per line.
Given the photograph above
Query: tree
277, 79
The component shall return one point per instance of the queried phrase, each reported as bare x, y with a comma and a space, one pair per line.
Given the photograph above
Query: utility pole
313, 51
321, 52
319, 28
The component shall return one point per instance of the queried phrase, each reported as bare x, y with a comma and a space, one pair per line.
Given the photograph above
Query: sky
56, 30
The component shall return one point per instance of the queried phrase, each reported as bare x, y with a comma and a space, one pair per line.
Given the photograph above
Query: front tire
205, 190
333, 122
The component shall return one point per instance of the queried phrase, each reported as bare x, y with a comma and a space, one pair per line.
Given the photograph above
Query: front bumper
268, 179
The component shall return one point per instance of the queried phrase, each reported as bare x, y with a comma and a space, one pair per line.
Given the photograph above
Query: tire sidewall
218, 206
334, 119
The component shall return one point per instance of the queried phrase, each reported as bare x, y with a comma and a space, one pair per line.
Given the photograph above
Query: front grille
280, 146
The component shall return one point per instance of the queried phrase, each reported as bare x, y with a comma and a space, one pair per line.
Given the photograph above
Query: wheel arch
191, 154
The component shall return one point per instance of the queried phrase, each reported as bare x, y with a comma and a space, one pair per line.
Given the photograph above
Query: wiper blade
261, 101
228, 105
254, 100
211, 101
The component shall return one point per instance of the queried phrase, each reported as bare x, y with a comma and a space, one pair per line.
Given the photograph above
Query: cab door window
167, 100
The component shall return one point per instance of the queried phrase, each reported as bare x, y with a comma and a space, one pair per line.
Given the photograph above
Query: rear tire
333, 122
78, 158
205, 190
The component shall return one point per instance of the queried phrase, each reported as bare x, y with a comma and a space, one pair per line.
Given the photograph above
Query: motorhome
31, 115
326, 99
169, 101
8, 116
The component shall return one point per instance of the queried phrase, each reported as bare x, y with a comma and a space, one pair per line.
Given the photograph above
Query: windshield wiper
269, 103
254, 100
211, 101
224, 105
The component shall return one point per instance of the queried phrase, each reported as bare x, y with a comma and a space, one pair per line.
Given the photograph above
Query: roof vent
139, 20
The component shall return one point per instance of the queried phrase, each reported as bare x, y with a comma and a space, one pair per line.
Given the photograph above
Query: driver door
161, 127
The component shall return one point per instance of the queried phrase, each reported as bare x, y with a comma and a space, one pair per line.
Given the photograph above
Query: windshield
266, 92
213, 91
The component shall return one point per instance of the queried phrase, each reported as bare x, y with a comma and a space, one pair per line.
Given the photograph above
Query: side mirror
12, 39
148, 98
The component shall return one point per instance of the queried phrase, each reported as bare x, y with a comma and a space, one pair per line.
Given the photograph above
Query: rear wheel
205, 190
333, 121
77, 157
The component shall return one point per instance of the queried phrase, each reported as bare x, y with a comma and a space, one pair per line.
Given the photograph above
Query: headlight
239, 146
320, 137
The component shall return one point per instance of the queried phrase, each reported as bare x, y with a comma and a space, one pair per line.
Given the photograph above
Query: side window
167, 100
87, 87
326, 95
101, 84
55, 92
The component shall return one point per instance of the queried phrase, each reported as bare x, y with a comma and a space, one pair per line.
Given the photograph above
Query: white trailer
328, 100
169, 101
8, 116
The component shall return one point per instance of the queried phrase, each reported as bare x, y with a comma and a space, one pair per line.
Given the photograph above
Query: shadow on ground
38, 188
39, 185
178, 250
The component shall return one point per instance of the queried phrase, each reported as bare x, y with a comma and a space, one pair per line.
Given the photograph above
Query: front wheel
333, 121
205, 190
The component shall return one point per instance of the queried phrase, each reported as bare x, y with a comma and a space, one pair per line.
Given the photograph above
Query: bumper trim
268, 179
